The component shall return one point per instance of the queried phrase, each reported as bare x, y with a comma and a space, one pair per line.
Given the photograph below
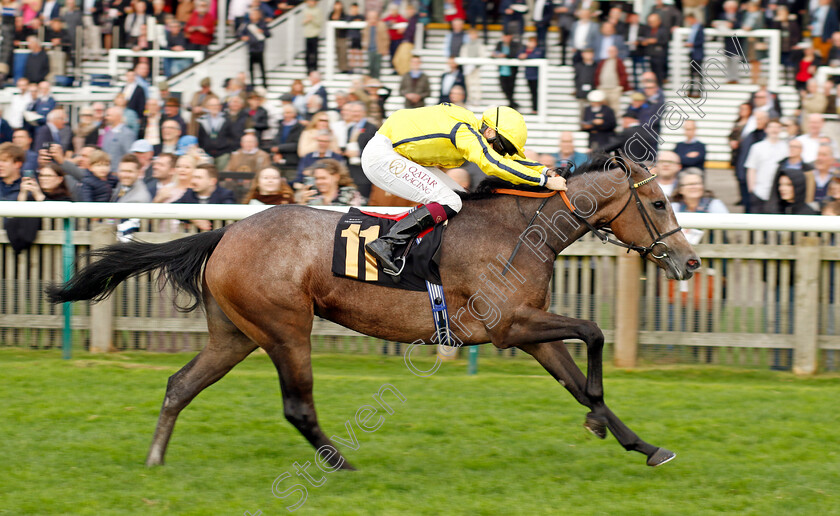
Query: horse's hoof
660, 457
597, 425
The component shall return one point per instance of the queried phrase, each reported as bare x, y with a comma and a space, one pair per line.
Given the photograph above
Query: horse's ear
621, 161
617, 160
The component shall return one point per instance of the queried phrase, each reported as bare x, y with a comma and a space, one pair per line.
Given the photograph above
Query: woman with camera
328, 183
49, 186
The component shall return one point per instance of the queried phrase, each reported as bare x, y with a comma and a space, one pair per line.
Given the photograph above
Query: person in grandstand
403, 155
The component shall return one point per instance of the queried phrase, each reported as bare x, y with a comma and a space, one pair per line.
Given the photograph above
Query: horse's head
640, 216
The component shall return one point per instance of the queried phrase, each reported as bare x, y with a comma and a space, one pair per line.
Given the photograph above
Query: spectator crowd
229, 144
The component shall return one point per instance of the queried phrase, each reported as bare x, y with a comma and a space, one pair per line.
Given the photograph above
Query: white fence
115, 53
768, 294
731, 221
332, 26
824, 72
772, 35
541, 64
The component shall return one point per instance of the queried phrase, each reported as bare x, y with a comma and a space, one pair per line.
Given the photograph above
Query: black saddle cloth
350, 260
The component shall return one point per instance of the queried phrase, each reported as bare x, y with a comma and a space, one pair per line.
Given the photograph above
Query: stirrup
401, 258
395, 273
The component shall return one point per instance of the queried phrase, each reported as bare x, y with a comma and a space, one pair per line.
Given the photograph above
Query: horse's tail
180, 262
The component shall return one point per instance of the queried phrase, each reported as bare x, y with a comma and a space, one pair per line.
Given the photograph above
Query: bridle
604, 231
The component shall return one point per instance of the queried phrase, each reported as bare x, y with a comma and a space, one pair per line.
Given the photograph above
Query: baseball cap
596, 96
140, 146
184, 144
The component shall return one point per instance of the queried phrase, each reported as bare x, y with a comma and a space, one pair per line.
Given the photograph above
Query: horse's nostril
693, 264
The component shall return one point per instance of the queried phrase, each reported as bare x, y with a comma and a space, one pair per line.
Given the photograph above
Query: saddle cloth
350, 260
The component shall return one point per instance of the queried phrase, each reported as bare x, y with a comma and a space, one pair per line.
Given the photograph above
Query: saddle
350, 260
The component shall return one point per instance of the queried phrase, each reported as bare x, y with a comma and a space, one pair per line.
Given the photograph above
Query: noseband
603, 233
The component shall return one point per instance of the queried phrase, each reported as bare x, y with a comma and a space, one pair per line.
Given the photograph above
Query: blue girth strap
440, 315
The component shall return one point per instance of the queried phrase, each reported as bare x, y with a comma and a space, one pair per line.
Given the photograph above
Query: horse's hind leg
227, 347
291, 356
555, 358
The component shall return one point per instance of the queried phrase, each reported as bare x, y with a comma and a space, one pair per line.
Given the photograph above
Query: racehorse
266, 277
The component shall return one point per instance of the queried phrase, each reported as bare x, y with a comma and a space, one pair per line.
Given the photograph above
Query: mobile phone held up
29, 173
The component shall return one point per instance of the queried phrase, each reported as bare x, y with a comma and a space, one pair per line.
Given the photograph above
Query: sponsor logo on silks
420, 180
397, 167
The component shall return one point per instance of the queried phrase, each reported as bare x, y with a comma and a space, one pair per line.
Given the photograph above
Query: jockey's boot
400, 234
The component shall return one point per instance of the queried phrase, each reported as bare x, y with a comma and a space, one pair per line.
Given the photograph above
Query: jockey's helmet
510, 129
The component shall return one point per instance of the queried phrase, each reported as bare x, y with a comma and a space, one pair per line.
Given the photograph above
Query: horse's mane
484, 190
596, 162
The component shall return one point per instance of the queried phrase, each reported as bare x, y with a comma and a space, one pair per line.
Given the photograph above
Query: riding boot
400, 234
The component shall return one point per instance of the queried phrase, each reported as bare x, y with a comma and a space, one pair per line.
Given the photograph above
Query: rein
545, 196
524, 193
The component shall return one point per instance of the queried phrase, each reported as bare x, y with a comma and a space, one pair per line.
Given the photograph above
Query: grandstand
563, 114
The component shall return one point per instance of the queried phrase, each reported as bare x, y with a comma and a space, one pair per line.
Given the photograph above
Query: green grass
508, 441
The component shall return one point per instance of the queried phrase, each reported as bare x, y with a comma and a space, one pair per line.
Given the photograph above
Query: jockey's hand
566, 167
556, 183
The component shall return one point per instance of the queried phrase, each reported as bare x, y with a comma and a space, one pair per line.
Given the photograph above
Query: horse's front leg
555, 358
529, 333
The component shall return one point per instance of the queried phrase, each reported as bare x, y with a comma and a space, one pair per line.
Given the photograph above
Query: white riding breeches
400, 176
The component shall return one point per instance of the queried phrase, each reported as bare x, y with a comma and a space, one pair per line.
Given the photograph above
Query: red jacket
208, 21
622, 74
391, 21
459, 11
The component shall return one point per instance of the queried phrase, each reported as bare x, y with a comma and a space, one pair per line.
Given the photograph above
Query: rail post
330, 48
806, 350
152, 37
68, 254
221, 24
102, 313
629, 272
542, 91
115, 37
77, 62
472, 366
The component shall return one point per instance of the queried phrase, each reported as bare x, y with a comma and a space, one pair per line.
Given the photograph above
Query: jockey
402, 158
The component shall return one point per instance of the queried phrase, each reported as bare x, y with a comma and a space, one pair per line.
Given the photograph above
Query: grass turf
507, 441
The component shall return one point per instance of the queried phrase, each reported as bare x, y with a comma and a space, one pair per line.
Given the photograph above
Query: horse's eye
659, 205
